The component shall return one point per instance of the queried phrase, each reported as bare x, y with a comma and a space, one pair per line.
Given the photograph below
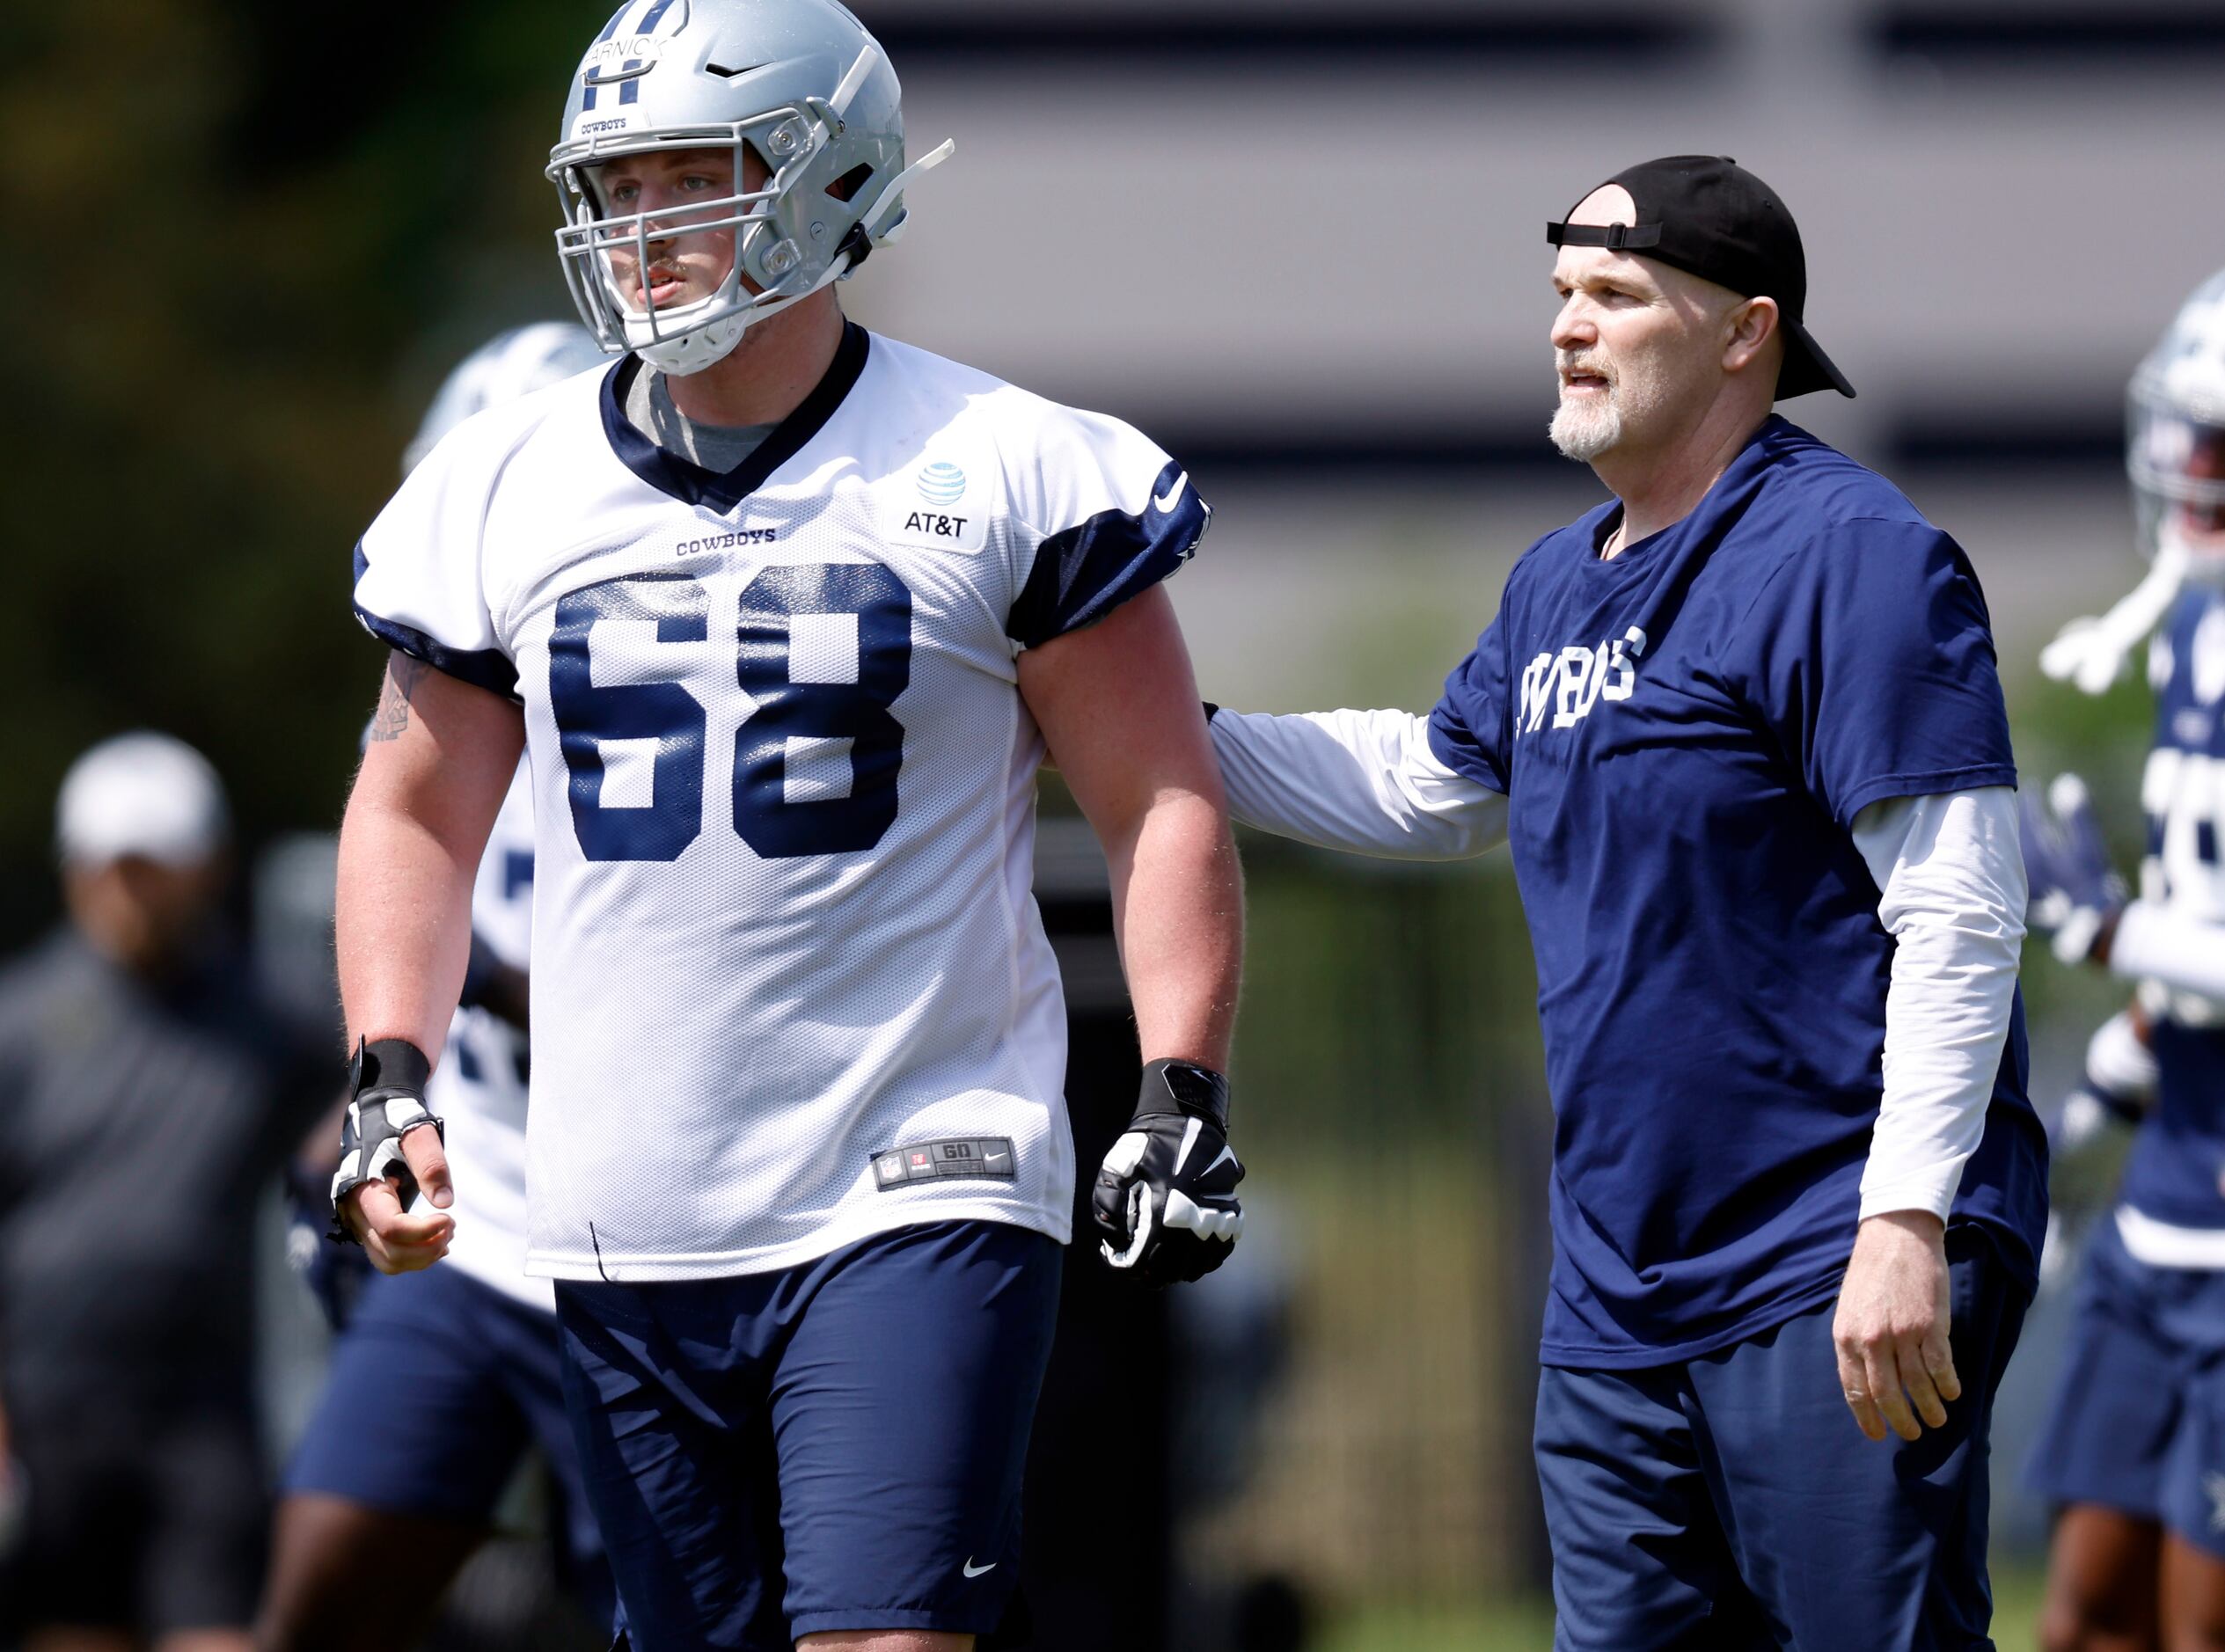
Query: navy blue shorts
1729, 1502
438, 1386
835, 1445
2138, 1414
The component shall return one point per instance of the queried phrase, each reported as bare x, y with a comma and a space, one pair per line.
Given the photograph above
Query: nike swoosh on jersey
971, 1570
1173, 496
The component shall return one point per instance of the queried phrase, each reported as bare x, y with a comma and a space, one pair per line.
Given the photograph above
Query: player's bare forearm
1178, 914
1118, 706
440, 756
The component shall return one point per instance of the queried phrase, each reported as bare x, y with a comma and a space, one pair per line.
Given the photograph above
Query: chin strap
2091, 652
870, 232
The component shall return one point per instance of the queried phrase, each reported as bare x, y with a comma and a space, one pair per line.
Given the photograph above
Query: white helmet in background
2175, 448
800, 84
2175, 454
508, 365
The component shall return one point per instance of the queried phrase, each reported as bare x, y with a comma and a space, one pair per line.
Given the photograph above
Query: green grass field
1527, 1625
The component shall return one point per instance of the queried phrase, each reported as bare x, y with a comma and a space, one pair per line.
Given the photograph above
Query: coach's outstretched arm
1367, 782
440, 755
1119, 708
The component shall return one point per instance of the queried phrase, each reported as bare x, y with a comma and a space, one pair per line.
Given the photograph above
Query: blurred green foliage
245, 247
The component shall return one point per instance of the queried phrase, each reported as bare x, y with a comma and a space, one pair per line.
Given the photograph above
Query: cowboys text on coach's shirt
784, 788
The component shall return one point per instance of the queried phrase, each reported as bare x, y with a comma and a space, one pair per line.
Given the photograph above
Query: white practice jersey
789, 984
477, 1090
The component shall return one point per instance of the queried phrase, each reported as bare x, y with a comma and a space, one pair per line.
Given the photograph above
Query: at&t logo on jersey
942, 484
931, 522
1571, 682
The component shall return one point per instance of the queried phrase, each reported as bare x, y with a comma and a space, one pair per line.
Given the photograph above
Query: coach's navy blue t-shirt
1685, 735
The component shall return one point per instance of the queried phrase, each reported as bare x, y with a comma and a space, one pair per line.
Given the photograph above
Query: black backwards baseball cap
1710, 218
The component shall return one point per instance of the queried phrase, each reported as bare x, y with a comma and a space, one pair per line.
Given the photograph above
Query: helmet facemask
2176, 459
605, 254
797, 87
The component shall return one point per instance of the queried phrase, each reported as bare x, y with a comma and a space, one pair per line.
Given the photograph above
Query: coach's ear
1752, 339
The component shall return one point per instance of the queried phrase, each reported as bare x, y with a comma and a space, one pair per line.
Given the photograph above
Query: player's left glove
1166, 1196
385, 1101
2076, 895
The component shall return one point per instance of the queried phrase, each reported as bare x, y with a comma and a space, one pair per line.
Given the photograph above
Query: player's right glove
385, 1101
1166, 1196
2076, 895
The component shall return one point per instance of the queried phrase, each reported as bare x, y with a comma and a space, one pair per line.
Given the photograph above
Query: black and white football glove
385, 1101
1166, 1196
2076, 893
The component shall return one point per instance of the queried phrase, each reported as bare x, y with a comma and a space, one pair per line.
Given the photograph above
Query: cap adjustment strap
1615, 237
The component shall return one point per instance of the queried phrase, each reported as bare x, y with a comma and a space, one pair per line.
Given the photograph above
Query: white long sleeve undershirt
1949, 872
1953, 899
1366, 782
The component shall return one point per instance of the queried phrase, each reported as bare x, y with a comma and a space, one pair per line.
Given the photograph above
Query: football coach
1741, 729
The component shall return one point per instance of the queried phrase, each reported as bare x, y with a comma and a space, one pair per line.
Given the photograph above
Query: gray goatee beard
1584, 432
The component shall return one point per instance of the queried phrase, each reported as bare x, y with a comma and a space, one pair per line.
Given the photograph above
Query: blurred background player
147, 1092
459, 1364
2134, 1457
793, 614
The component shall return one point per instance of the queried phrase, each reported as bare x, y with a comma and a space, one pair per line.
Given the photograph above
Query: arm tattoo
391, 718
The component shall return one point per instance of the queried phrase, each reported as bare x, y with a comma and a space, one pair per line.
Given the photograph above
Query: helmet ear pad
812, 219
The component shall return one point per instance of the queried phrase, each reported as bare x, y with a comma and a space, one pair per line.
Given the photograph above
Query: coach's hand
1166, 1196
1891, 1330
386, 1156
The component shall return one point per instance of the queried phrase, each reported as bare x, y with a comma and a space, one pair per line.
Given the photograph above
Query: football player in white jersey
2132, 1457
788, 616
474, 1344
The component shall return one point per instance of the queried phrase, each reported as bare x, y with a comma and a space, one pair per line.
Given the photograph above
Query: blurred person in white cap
145, 839
145, 1089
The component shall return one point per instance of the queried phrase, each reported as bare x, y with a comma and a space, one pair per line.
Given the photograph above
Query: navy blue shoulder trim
1084, 572
723, 490
489, 668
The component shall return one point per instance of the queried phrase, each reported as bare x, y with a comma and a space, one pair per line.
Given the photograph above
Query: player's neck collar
723, 490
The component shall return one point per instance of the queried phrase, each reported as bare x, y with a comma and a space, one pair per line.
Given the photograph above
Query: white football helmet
801, 85
508, 365
2175, 448
2174, 453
